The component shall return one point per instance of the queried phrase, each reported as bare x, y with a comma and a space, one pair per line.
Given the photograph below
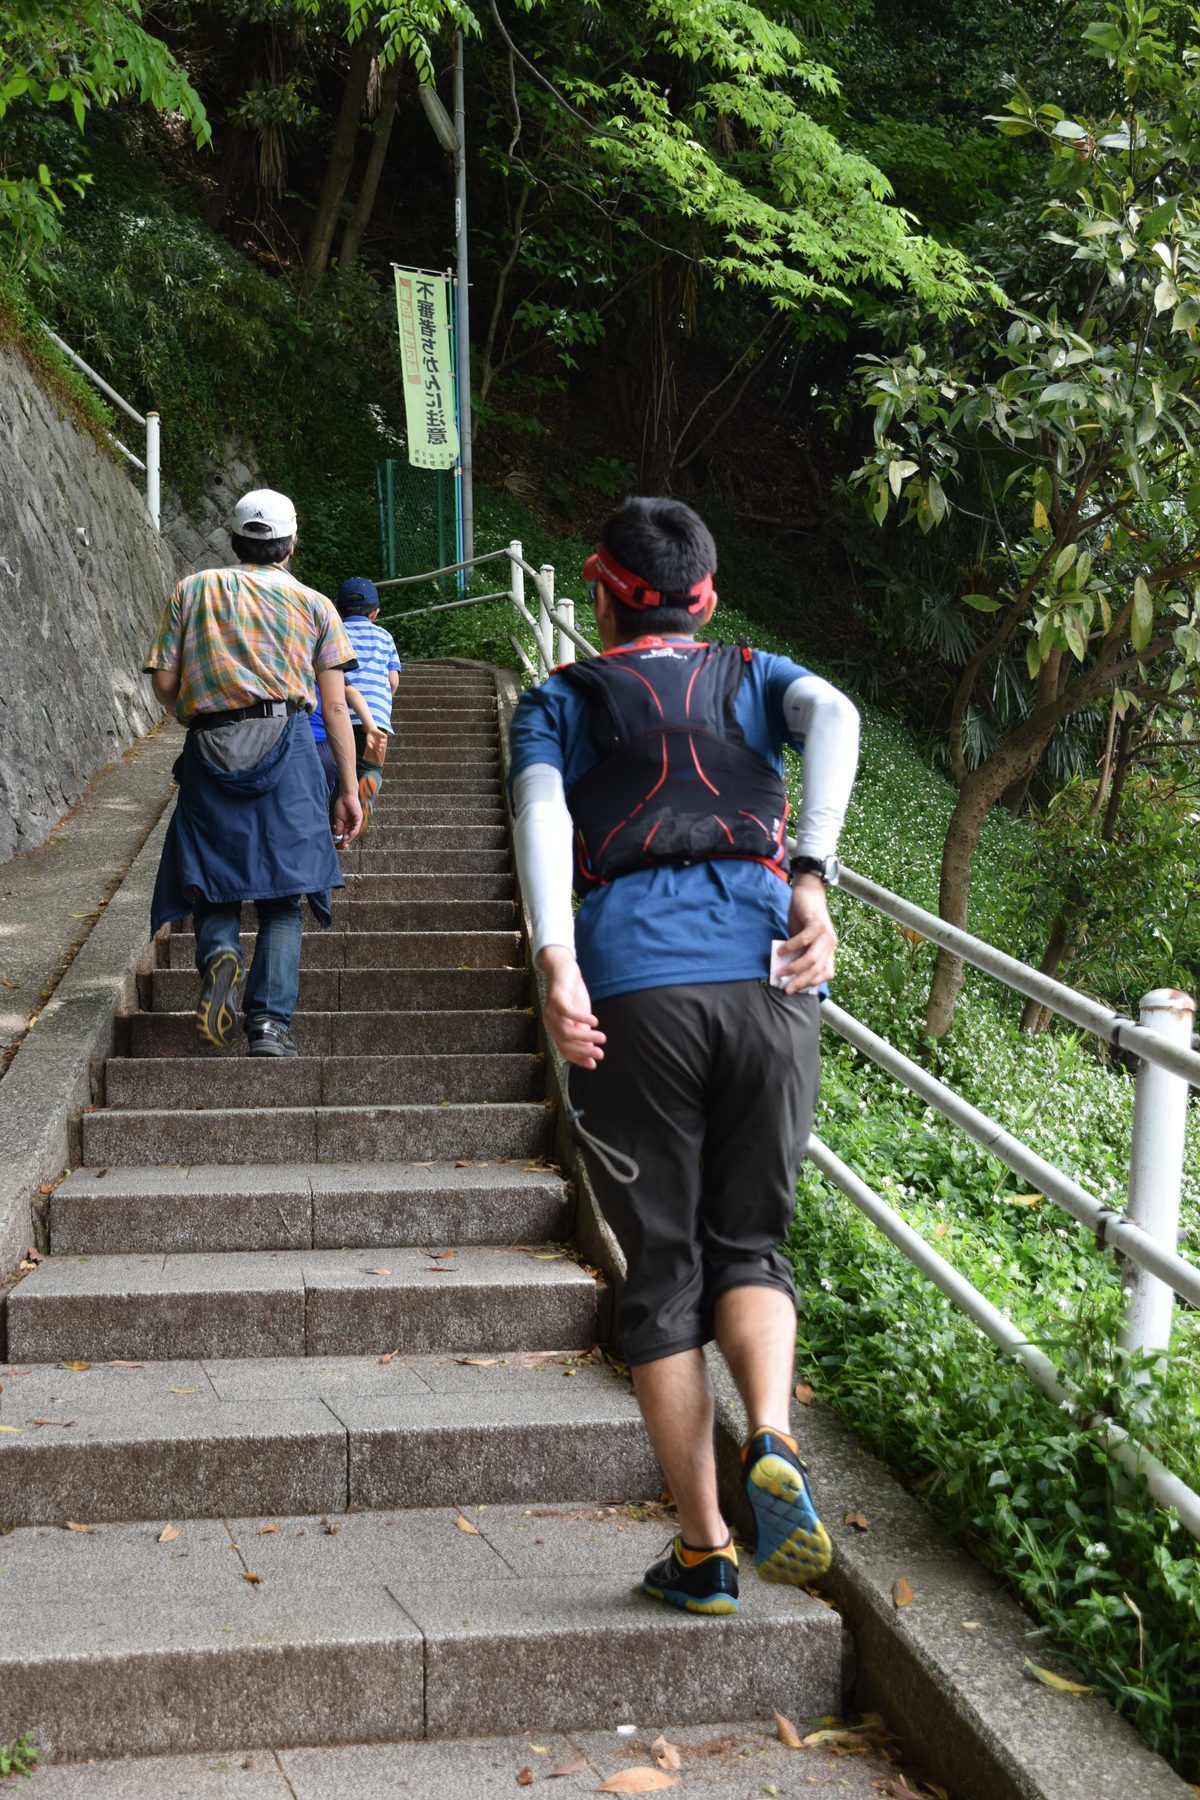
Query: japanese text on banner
421, 304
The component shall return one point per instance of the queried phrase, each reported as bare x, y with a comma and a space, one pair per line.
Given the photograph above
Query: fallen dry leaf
74, 1525
859, 1521
1059, 1683
266, 1530
902, 1594
786, 1732
525, 1778
477, 1362
377, 1271
971, 1625
575, 1766
168, 1534
466, 1525
77, 1363
64, 1423
181, 1390
252, 1578
389, 1356
12, 1430
637, 1781
665, 1754
804, 1394
461, 1163
440, 1255
120, 1363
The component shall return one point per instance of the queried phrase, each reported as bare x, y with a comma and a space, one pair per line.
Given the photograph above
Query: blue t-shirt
668, 926
376, 653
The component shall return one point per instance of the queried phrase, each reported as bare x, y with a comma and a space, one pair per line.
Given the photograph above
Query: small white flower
1097, 1552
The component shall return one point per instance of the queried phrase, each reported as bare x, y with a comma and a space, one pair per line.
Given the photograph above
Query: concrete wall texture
83, 578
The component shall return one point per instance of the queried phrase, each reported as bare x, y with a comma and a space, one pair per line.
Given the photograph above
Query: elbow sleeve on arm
825, 724
543, 841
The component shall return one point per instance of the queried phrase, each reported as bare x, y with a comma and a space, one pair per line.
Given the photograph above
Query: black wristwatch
827, 867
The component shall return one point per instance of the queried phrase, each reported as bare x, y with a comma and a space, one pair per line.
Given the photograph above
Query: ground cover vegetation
931, 376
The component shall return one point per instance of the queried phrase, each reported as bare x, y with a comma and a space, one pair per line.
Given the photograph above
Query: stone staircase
314, 1377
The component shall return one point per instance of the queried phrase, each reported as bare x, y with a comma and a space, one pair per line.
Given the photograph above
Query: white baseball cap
264, 514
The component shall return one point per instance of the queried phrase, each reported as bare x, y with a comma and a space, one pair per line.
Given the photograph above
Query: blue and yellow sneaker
793, 1545
699, 1581
216, 1009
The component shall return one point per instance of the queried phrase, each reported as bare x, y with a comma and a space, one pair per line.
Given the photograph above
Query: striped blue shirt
376, 653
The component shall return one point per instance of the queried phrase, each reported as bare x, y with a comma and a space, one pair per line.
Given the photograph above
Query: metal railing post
153, 495
1156, 1168
566, 646
545, 602
516, 552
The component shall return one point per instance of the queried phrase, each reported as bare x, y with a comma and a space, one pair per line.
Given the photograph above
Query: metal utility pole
462, 302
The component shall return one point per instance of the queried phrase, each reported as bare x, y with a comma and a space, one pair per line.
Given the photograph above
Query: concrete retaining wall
83, 578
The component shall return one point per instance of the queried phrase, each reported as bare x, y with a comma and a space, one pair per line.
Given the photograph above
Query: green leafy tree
69, 58
1063, 426
670, 184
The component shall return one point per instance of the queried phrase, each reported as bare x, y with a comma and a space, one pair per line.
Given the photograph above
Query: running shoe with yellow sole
708, 1584
216, 1009
793, 1545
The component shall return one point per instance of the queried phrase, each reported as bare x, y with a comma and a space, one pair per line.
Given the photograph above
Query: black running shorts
711, 1089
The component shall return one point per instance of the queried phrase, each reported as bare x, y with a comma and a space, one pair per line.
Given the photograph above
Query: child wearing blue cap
370, 697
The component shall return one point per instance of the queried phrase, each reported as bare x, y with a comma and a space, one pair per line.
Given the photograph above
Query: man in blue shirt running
684, 995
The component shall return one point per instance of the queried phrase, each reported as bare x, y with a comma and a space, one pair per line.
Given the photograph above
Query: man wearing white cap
239, 655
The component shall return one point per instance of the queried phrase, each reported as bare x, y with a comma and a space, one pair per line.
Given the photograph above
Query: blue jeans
273, 984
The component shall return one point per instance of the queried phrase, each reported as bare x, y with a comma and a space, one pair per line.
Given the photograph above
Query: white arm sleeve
824, 724
543, 838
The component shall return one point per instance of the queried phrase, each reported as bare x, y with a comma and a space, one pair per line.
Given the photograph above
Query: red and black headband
631, 590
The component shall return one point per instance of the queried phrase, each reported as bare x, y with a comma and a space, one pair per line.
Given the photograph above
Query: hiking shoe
270, 1037
708, 1584
793, 1545
216, 1009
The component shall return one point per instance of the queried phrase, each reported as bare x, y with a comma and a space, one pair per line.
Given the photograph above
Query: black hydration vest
675, 782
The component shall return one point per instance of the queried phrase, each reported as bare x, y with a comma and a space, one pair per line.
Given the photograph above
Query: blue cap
357, 595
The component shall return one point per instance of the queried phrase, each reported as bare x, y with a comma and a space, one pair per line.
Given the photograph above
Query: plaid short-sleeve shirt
248, 633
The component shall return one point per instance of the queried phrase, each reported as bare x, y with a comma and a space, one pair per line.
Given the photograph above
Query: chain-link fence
417, 524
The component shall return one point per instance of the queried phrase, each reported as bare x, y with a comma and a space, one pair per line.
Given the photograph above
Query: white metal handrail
1145, 1234
1111, 1227
150, 424
1166, 1487
1090, 1015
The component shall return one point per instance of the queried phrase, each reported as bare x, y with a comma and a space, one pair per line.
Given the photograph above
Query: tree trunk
1121, 763
341, 161
364, 206
1035, 1016
966, 822
231, 176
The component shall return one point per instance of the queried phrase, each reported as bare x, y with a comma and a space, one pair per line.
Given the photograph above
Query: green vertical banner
427, 362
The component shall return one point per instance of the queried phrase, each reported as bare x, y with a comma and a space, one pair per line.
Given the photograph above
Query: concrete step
437, 837
216, 1438
385, 1629
300, 1303
369, 990
421, 913
343, 949
327, 1206
435, 1132
409, 778
482, 758
188, 1083
368, 857
344, 1034
410, 735
440, 809
433, 889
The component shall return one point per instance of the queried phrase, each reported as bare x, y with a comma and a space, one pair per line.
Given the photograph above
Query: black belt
261, 709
